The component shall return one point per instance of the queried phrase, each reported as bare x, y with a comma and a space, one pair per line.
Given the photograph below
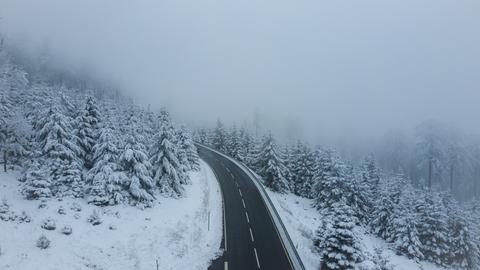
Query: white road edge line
251, 234
256, 257
223, 206
226, 265
248, 220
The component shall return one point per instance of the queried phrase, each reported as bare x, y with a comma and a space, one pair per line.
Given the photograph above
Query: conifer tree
219, 137
106, 183
432, 228
330, 185
270, 166
232, 144
302, 167
188, 147
164, 158
383, 211
336, 241
37, 185
404, 225
180, 137
463, 250
135, 164
60, 148
87, 130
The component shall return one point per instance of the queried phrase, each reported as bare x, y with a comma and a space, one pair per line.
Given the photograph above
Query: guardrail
282, 232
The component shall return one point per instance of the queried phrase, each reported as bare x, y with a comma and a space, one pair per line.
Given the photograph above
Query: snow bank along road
250, 240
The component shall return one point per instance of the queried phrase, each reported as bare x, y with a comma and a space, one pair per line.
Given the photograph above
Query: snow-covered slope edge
301, 221
174, 232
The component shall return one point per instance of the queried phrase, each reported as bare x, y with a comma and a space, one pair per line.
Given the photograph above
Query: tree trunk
5, 160
429, 183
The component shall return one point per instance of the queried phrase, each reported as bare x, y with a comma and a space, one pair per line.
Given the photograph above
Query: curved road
250, 240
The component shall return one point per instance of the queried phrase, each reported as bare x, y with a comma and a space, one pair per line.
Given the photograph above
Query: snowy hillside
175, 231
302, 220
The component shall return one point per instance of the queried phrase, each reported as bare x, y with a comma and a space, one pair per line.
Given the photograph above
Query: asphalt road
250, 240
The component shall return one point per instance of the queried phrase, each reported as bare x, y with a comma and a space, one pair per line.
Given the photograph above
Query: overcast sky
355, 68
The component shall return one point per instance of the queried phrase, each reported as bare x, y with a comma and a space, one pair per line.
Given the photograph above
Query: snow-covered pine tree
330, 184
302, 168
404, 225
164, 158
106, 183
135, 164
232, 144
384, 206
432, 229
36, 184
187, 145
87, 130
201, 136
370, 172
335, 239
247, 147
270, 166
180, 141
464, 251
219, 137
58, 146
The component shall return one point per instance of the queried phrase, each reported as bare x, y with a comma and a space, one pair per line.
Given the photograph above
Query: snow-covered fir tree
404, 224
247, 151
106, 183
432, 229
188, 147
135, 164
270, 166
336, 182
59, 147
302, 168
164, 158
464, 250
336, 241
232, 144
87, 130
370, 172
384, 206
36, 185
180, 141
219, 137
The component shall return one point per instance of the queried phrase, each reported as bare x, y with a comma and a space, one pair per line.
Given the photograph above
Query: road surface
250, 240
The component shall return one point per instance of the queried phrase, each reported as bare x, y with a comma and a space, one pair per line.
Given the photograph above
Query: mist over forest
349, 132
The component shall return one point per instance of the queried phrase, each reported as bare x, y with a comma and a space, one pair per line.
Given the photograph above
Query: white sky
328, 68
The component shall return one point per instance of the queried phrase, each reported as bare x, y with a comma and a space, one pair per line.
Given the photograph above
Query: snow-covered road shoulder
175, 231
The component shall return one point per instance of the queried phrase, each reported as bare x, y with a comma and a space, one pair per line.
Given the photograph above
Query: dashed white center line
248, 220
251, 234
226, 265
228, 170
239, 191
256, 257
233, 177
243, 202
236, 183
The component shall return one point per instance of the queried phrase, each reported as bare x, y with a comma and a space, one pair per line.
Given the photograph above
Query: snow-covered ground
174, 232
301, 221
